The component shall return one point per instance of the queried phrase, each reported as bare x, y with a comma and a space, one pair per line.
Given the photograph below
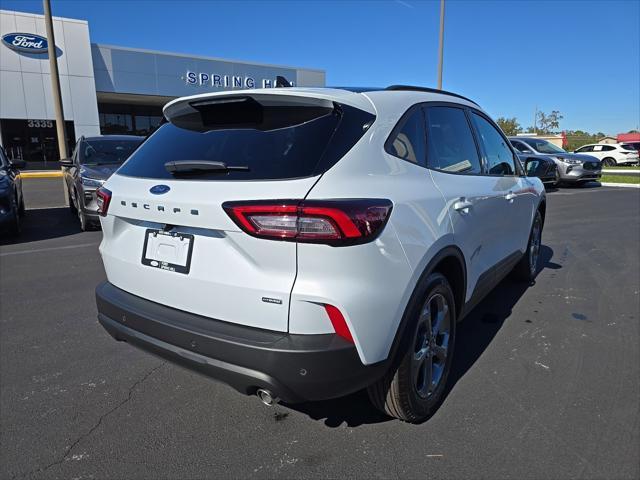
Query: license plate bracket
167, 250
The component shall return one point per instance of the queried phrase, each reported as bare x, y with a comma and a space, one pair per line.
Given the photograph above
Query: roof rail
428, 90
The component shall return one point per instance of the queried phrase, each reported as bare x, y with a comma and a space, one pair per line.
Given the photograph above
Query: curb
53, 174
621, 171
624, 185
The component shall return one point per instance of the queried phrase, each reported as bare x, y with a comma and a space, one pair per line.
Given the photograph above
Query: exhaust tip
267, 397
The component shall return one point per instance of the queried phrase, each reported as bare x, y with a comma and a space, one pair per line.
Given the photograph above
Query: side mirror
66, 162
18, 163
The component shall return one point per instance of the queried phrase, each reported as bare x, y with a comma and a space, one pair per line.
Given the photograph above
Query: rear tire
527, 268
609, 162
413, 389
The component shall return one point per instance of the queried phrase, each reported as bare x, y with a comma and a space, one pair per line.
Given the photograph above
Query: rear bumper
296, 368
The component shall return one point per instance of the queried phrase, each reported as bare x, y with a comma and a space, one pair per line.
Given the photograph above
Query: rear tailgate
232, 276
285, 142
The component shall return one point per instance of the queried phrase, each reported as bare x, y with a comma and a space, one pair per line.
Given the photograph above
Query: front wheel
15, 225
609, 162
414, 389
527, 269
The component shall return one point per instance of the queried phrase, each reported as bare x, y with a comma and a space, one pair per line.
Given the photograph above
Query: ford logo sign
159, 189
25, 42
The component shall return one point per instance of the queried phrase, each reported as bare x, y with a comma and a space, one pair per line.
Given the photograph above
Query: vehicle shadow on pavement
474, 335
44, 224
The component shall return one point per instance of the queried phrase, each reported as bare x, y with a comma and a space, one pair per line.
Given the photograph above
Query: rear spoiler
264, 109
250, 112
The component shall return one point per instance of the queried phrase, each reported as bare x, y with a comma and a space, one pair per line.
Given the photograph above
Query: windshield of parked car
543, 146
102, 152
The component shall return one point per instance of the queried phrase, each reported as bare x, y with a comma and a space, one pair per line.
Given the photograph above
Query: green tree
546, 124
509, 126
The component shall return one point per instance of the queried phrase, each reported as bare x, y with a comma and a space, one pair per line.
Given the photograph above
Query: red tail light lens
103, 199
335, 222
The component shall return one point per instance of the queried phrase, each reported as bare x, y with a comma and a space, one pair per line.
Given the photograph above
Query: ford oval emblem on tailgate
159, 189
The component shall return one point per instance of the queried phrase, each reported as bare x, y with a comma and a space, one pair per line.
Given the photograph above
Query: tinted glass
4, 162
450, 143
408, 141
521, 147
628, 146
499, 157
585, 149
100, 152
301, 150
608, 148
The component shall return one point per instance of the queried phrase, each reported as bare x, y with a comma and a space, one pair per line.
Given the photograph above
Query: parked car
304, 244
631, 146
11, 197
93, 161
541, 166
611, 154
573, 169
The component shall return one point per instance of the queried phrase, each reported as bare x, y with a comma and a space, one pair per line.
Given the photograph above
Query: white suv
304, 244
611, 154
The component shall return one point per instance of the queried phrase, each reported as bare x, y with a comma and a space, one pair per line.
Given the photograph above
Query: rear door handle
462, 206
510, 196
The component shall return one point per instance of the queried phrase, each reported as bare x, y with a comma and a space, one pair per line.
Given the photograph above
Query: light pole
55, 81
440, 55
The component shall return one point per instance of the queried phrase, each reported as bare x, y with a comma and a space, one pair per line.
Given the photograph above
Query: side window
584, 149
499, 157
521, 147
450, 143
608, 148
597, 148
407, 141
4, 162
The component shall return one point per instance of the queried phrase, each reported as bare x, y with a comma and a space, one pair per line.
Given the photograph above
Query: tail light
334, 222
103, 199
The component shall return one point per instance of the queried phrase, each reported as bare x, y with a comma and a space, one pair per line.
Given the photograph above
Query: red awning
628, 137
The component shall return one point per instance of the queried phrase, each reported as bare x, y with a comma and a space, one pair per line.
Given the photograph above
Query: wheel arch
448, 261
542, 208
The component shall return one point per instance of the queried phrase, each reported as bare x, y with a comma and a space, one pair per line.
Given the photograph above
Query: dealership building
105, 89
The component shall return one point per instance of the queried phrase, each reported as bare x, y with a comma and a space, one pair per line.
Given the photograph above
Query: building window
120, 119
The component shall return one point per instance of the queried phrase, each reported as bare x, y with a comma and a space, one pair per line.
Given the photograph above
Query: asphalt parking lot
546, 381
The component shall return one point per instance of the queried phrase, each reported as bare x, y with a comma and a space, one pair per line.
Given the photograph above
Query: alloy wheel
534, 246
431, 345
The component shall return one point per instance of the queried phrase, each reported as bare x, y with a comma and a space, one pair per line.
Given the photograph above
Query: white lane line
49, 249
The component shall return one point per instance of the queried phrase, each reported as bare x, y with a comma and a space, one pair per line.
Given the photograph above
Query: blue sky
579, 57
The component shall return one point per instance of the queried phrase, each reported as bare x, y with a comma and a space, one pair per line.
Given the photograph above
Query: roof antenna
282, 82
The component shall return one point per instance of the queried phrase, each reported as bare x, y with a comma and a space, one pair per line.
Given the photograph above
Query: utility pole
55, 81
440, 55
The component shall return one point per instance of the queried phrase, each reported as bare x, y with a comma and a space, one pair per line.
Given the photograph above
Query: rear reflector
338, 322
103, 198
334, 222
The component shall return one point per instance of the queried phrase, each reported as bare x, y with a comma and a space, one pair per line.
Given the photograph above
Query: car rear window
280, 144
628, 146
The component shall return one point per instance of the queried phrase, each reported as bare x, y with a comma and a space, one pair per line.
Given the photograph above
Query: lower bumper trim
296, 368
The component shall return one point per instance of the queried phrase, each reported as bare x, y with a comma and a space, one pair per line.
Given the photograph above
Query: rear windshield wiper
195, 167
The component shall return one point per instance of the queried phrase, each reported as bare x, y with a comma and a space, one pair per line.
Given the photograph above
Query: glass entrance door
35, 141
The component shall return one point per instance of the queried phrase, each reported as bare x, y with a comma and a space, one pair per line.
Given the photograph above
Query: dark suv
11, 198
